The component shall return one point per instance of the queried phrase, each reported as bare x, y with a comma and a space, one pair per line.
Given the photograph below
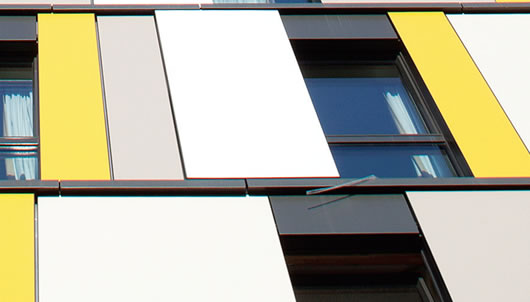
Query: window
374, 119
19, 143
18, 140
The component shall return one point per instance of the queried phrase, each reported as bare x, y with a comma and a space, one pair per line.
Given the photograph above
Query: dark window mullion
385, 139
429, 110
22, 141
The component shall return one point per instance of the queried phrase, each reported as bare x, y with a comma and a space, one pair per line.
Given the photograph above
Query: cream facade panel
142, 133
500, 46
160, 249
44, 1
241, 105
479, 241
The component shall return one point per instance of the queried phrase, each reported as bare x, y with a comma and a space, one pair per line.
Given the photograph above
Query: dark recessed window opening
365, 268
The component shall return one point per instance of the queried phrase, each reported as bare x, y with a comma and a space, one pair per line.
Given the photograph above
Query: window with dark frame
378, 118
373, 112
19, 143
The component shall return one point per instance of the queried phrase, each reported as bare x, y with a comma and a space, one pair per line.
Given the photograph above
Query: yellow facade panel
72, 121
17, 249
480, 127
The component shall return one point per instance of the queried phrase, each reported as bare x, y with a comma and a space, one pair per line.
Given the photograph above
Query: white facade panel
143, 141
479, 241
44, 1
241, 105
160, 249
499, 45
147, 2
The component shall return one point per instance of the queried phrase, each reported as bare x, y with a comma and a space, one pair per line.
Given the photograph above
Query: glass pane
355, 161
18, 165
362, 99
16, 91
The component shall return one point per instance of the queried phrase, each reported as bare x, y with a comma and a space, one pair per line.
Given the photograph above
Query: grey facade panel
18, 28
143, 139
342, 214
196, 187
338, 27
479, 241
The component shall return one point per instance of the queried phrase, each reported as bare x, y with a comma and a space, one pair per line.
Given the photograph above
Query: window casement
376, 113
372, 121
19, 143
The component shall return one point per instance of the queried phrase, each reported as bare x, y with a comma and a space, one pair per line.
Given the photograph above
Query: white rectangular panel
112, 249
143, 140
145, 2
479, 241
499, 46
241, 105
44, 1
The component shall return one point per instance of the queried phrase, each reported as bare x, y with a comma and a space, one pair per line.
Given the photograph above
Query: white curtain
18, 122
405, 125
423, 166
400, 114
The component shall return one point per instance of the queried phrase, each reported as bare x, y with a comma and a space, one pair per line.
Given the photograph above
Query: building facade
265, 151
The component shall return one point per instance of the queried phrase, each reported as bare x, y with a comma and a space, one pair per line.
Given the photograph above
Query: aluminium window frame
16, 52
392, 53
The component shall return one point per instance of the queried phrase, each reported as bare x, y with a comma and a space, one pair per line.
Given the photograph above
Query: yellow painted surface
17, 252
480, 127
72, 123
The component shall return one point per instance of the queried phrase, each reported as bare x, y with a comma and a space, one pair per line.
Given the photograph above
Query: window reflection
360, 99
19, 164
355, 161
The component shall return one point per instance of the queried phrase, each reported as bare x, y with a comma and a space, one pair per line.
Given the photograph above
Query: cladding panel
160, 249
72, 120
17, 252
16, 2
343, 214
18, 28
479, 241
482, 131
147, 2
498, 46
142, 133
237, 92
338, 27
